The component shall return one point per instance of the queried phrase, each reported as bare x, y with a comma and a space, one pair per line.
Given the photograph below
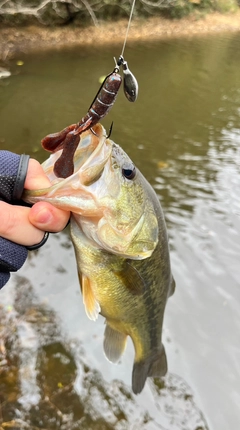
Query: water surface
184, 135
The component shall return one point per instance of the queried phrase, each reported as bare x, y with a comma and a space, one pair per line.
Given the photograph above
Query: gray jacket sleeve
13, 171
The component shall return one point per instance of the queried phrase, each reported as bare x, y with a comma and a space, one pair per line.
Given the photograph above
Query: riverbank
14, 41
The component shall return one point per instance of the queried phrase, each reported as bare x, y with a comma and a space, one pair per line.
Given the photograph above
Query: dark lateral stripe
153, 322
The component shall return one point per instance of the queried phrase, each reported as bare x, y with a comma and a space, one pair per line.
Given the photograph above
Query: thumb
15, 225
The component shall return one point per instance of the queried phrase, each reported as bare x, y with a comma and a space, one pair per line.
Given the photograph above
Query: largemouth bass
120, 240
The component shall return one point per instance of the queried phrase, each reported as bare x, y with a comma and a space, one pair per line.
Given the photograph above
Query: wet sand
14, 41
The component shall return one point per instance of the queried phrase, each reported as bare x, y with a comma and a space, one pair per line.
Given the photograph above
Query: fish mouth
93, 168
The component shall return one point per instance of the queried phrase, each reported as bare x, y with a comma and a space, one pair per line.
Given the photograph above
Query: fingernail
44, 216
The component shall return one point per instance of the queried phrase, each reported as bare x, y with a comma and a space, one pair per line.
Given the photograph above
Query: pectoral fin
114, 344
92, 306
132, 279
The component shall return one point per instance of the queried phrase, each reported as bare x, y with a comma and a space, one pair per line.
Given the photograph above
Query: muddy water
184, 135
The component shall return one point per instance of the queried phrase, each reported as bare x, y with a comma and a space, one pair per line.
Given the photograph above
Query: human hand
27, 226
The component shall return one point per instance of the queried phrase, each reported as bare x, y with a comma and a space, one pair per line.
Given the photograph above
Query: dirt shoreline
14, 41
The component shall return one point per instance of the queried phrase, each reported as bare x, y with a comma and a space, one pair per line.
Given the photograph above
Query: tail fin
154, 365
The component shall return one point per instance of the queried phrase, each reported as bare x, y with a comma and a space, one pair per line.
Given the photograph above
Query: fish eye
129, 172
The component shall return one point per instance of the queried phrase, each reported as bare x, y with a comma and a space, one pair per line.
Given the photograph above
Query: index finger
36, 178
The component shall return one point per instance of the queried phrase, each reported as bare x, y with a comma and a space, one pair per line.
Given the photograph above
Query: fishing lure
69, 138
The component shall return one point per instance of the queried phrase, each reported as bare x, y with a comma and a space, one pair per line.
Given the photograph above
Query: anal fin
114, 343
92, 306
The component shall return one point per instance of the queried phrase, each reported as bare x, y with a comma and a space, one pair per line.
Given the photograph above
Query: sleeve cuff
12, 257
13, 172
4, 278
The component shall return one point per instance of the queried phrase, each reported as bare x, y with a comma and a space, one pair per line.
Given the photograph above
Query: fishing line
129, 22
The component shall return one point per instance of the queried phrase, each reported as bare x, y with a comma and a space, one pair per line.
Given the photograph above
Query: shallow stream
184, 135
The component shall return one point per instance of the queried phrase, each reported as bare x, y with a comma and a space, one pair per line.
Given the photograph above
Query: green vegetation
182, 8
82, 12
